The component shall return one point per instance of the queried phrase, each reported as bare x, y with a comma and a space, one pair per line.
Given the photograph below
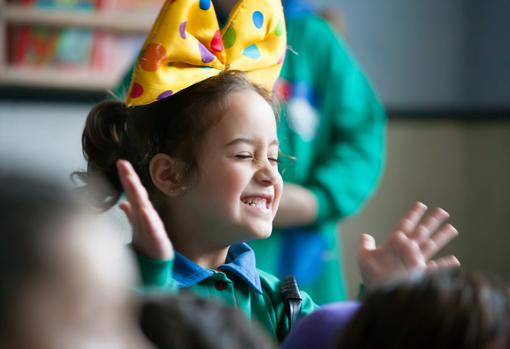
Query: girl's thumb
366, 242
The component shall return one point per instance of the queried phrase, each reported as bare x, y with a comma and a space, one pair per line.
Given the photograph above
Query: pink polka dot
136, 90
217, 42
282, 58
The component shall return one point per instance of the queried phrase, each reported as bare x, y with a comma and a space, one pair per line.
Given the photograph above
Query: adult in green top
334, 125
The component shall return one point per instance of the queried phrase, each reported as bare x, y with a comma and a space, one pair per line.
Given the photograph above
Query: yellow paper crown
186, 46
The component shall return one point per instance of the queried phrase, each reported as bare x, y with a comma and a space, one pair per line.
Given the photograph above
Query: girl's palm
409, 248
149, 234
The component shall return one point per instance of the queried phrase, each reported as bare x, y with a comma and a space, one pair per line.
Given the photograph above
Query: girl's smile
261, 203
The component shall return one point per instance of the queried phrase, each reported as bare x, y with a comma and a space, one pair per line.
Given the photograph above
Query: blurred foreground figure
192, 322
448, 309
65, 279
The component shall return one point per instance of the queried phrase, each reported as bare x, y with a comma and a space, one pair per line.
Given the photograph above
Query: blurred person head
188, 321
65, 279
448, 309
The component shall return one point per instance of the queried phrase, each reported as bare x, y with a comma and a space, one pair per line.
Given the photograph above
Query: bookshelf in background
71, 44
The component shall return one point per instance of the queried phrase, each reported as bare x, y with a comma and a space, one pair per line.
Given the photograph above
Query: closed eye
244, 156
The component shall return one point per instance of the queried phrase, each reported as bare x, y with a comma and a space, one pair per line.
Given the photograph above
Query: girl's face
238, 187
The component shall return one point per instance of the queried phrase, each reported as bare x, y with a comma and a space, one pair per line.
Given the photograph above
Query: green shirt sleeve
156, 273
347, 173
308, 306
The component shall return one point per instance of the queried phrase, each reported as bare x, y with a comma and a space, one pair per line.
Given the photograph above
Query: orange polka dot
153, 56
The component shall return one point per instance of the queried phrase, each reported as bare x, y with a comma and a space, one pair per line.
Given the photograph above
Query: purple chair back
322, 328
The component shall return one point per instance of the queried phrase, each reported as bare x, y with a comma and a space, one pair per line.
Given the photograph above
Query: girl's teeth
260, 203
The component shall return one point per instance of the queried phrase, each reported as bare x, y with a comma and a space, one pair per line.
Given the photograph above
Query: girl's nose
267, 174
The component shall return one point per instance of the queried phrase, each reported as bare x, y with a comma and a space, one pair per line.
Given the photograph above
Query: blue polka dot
252, 52
258, 19
205, 4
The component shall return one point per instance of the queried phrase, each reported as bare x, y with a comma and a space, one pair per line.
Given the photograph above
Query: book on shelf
45, 46
94, 5
73, 5
66, 48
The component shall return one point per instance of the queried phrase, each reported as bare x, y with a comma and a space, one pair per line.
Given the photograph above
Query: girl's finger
366, 243
430, 224
443, 263
153, 225
135, 191
438, 240
409, 222
408, 251
422, 233
128, 211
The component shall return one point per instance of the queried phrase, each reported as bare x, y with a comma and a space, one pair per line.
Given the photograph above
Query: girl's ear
168, 174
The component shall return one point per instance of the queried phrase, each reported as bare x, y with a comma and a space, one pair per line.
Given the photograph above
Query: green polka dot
229, 38
279, 28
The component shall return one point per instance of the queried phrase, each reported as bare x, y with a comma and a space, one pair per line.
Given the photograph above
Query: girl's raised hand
149, 234
408, 249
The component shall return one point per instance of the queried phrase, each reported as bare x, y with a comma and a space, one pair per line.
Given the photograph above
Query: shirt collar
240, 262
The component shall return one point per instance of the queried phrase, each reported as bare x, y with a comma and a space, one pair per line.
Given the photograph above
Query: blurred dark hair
175, 125
448, 309
32, 214
188, 321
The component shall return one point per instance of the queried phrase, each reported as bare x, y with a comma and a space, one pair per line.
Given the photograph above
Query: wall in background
432, 54
46, 139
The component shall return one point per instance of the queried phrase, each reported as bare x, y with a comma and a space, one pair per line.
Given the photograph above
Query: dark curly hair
189, 321
447, 309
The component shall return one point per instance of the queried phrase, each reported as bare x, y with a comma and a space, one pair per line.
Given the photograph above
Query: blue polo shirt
240, 262
236, 283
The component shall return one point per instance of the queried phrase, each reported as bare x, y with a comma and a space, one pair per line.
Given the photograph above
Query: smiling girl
204, 177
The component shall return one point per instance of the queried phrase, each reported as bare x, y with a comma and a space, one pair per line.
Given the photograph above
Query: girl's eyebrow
249, 141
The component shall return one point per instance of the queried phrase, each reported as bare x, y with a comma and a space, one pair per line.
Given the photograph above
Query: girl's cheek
278, 191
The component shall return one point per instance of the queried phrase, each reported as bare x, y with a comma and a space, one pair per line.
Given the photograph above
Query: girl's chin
262, 234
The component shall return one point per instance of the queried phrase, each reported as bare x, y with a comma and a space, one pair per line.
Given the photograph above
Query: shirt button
220, 285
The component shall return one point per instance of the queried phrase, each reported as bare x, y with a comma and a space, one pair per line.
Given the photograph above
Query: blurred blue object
296, 8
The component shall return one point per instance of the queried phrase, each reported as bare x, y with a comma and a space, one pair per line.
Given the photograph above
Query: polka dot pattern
280, 29
229, 38
207, 56
153, 56
205, 4
258, 19
136, 90
217, 42
252, 51
186, 45
182, 29
165, 94
282, 58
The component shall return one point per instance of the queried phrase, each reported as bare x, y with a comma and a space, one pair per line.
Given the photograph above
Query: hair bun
104, 141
